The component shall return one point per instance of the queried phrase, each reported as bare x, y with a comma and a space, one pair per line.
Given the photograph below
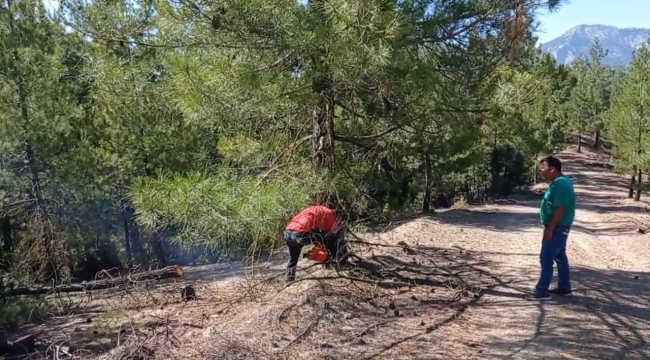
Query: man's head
550, 168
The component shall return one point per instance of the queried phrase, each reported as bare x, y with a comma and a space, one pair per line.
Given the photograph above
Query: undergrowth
16, 312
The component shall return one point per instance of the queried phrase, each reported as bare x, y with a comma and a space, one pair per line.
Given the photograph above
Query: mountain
620, 43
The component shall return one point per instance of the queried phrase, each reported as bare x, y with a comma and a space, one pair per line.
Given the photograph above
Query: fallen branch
369, 243
304, 333
284, 313
158, 274
365, 331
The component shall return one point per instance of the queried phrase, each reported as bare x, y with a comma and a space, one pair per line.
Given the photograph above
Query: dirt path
609, 317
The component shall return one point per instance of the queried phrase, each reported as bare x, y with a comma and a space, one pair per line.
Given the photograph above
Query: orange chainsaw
318, 253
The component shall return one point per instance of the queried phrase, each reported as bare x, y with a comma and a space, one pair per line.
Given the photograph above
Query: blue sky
619, 13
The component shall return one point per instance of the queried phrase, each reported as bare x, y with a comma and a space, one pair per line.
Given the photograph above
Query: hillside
576, 42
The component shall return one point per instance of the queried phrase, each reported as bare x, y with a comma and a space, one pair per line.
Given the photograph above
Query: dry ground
470, 269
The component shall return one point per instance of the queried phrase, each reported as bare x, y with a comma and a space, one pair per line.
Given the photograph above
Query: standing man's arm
558, 213
561, 199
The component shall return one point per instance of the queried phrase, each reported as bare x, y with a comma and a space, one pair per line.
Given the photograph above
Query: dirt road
609, 316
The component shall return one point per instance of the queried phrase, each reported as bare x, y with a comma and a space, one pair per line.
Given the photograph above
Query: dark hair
553, 162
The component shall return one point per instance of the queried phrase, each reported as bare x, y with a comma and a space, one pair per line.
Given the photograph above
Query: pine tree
629, 120
590, 98
37, 116
376, 87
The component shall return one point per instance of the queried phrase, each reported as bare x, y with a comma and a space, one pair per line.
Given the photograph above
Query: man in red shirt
315, 224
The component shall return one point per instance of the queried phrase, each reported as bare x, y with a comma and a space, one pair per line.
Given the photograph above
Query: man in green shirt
557, 212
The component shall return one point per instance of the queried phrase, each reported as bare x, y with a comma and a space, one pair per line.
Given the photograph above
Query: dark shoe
539, 297
291, 275
562, 292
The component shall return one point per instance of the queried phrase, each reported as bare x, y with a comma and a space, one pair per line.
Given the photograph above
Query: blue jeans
554, 250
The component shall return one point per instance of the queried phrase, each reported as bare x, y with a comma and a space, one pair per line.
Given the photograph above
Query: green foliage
628, 119
590, 98
224, 210
16, 312
157, 127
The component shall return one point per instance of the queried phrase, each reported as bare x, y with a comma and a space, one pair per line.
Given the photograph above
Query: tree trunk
7, 241
323, 111
48, 269
323, 133
127, 235
136, 242
426, 201
639, 182
579, 143
157, 244
597, 139
630, 193
168, 272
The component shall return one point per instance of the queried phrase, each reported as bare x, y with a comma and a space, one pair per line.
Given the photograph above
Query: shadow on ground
517, 221
607, 319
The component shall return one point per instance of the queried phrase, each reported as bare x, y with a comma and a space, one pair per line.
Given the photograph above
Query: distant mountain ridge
576, 42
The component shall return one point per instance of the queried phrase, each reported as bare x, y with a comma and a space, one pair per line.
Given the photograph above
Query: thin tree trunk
323, 111
322, 133
639, 182
7, 241
475, 182
597, 139
136, 242
127, 235
157, 244
426, 201
579, 143
630, 193
466, 188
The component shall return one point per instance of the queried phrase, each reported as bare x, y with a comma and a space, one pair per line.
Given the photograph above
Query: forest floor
471, 269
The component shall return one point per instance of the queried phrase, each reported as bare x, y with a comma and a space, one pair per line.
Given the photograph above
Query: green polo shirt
559, 193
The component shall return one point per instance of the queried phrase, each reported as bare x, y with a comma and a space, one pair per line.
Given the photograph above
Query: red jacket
314, 218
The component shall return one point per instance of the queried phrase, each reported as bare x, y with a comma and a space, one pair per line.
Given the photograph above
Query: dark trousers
296, 240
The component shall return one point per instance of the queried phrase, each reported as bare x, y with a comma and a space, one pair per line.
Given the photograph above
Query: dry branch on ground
387, 288
157, 274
